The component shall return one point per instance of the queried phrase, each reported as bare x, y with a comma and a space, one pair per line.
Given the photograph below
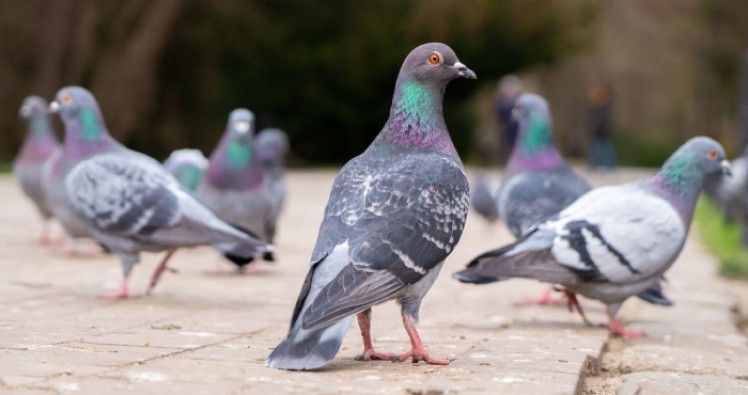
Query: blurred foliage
322, 71
325, 72
632, 150
721, 239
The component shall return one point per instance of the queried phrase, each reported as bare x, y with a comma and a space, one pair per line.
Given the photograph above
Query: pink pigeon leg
573, 304
544, 299
616, 328
369, 354
160, 270
418, 352
121, 293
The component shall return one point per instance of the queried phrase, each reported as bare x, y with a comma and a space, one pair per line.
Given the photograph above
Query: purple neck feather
416, 119
542, 159
40, 141
79, 146
234, 165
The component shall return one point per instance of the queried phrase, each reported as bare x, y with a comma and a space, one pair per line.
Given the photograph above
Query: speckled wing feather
116, 196
398, 225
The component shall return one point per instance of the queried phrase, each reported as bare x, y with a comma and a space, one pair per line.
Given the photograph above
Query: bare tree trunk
125, 78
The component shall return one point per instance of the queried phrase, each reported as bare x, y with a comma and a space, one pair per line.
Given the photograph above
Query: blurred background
167, 73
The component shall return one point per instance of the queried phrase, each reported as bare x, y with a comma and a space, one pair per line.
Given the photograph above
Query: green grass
721, 239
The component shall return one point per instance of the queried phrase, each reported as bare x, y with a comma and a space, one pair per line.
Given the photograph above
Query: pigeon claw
421, 355
371, 355
616, 328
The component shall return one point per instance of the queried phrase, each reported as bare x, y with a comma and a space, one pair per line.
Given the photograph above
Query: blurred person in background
599, 107
509, 89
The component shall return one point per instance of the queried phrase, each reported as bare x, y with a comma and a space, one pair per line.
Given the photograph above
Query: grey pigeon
187, 166
615, 241
86, 135
272, 148
38, 147
394, 214
233, 183
482, 200
538, 183
130, 203
730, 195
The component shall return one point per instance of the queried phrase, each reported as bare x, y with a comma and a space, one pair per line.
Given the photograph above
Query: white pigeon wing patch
627, 234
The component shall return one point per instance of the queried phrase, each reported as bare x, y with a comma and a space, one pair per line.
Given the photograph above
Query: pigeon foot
545, 299
616, 328
371, 355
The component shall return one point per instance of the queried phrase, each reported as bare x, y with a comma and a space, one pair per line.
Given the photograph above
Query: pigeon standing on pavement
272, 148
187, 166
394, 214
38, 147
613, 242
538, 182
482, 200
233, 183
86, 135
130, 203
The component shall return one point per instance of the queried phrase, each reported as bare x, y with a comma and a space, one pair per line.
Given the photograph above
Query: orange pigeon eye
66, 99
435, 58
712, 154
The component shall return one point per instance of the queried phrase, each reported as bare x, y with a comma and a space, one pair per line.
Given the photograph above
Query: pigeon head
80, 113
33, 106
434, 63
272, 146
683, 174
239, 135
534, 148
416, 118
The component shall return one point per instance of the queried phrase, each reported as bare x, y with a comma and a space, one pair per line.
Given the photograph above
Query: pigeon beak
54, 107
242, 127
25, 111
726, 167
463, 71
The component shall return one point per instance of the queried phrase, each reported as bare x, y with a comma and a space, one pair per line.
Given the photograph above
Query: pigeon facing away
395, 213
482, 201
272, 148
233, 183
86, 135
38, 147
538, 183
187, 166
131, 203
613, 242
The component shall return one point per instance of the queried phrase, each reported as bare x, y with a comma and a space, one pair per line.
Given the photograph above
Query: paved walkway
200, 333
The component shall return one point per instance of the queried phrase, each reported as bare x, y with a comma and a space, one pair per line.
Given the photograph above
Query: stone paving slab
210, 333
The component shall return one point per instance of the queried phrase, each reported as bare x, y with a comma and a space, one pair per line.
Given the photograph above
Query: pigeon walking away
482, 200
187, 166
233, 183
38, 147
272, 148
130, 203
613, 242
394, 214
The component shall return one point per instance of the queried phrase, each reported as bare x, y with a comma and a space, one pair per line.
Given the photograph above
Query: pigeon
86, 135
272, 148
538, 182
187, 166
613, 242
394, 214
130, 203
482, 201
38, 147
233, 184
730, 195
